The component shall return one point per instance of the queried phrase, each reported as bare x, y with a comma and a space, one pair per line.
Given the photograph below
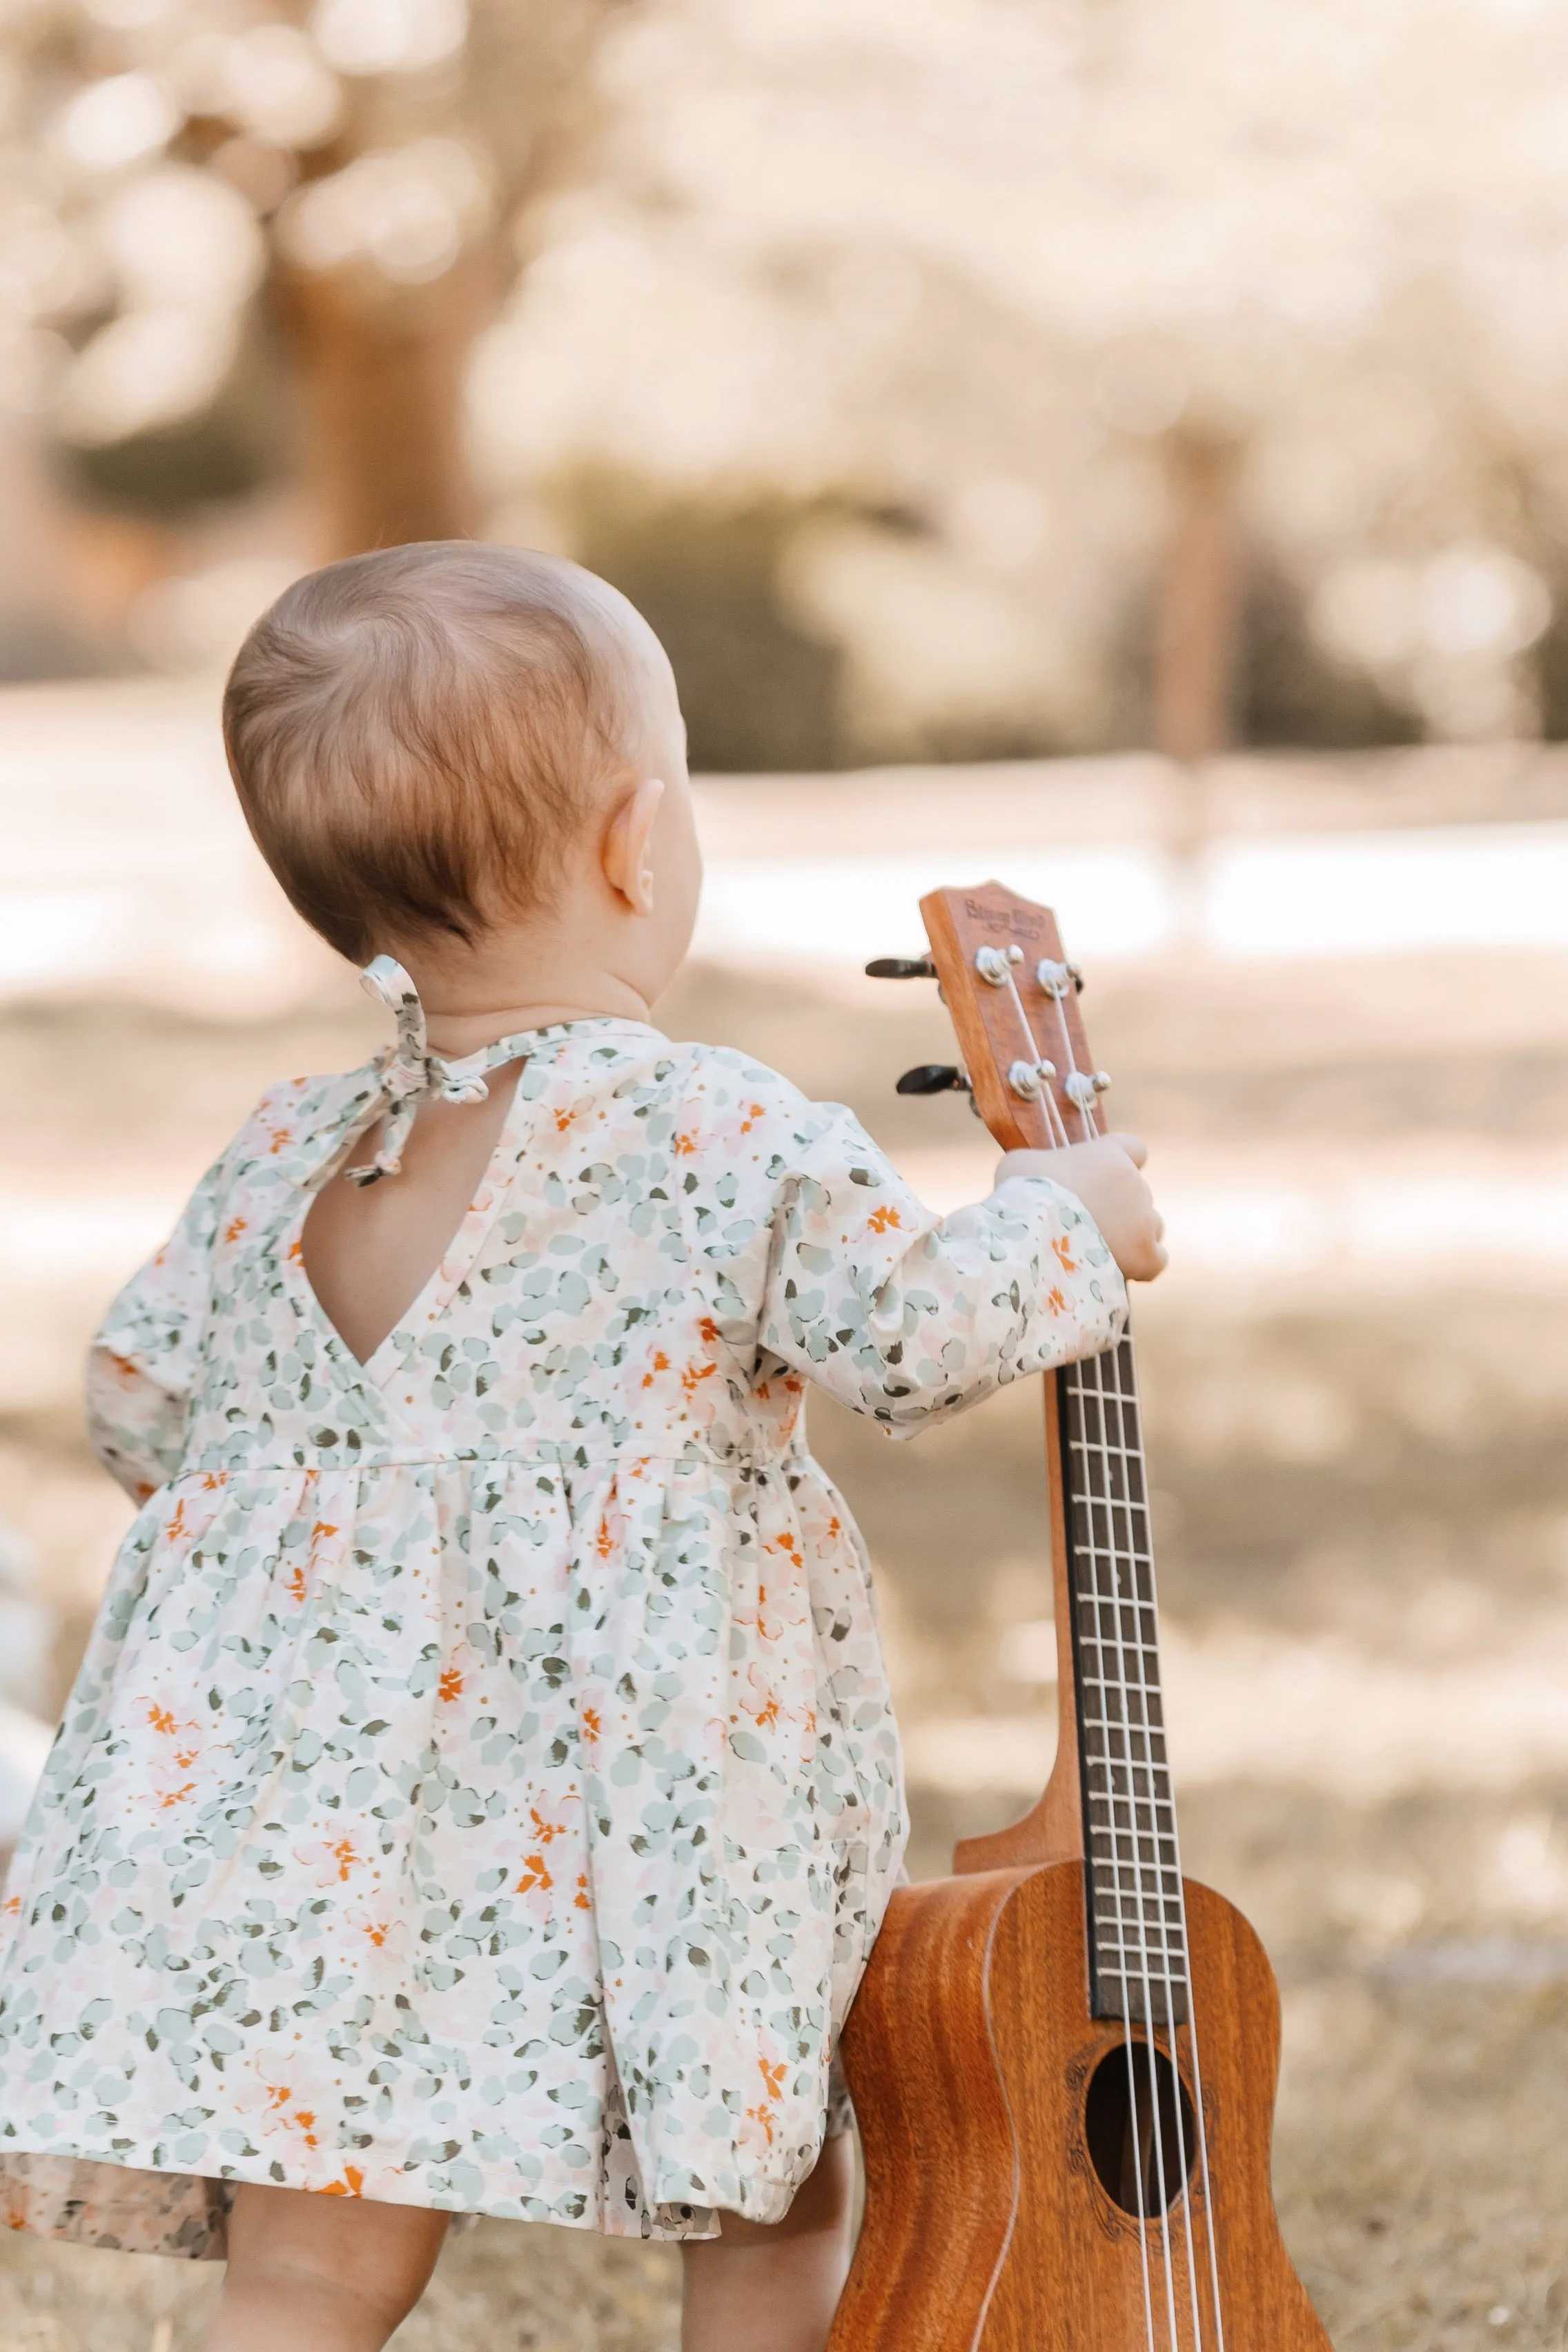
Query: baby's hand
1104, 1175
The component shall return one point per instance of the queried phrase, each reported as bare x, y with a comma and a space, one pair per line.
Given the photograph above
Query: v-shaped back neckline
435, 1295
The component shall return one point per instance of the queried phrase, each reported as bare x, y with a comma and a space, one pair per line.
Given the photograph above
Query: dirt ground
1360, 1492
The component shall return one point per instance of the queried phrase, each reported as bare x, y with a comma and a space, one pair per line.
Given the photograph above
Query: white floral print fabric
481, 1791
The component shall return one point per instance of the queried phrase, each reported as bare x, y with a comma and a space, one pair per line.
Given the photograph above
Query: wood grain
1052, 1830
969, 2053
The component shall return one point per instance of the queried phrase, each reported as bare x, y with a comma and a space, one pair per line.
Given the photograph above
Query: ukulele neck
1135, 1915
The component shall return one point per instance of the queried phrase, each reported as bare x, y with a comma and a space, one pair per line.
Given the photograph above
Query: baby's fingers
1143, 1253
1135, 1147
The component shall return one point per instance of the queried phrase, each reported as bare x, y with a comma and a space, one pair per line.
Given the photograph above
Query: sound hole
1120, 2126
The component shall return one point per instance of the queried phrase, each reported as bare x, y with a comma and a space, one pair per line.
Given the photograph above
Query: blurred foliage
886, 338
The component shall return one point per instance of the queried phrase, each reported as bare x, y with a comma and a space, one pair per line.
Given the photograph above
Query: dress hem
50, 2193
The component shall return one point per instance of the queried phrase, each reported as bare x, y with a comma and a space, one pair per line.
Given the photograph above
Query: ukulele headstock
1013, 997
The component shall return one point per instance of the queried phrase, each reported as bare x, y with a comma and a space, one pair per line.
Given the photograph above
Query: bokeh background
1121, 446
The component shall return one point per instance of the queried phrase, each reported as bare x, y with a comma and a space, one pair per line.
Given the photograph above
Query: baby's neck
523, 976
463, 1027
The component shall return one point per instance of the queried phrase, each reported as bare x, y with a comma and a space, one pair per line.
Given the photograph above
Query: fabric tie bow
409, 1073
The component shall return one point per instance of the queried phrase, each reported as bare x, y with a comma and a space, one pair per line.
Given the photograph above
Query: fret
1136, 1915
1163, 1927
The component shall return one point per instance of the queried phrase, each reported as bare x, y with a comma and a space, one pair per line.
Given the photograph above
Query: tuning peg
934, 1078
901, 968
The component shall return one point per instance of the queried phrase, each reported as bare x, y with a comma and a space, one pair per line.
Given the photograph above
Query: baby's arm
906, 1316
141, 1365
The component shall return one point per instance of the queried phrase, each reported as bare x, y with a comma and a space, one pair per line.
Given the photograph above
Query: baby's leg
774, 2288
321, 2273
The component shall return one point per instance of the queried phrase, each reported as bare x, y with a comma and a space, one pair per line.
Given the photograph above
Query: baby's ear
628, 845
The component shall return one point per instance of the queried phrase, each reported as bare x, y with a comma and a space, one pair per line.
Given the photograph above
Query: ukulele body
973, 2060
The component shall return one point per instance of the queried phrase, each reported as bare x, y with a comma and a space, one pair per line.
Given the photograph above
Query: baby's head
437, 744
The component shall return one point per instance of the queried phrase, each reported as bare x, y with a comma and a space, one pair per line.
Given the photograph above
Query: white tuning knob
995, 964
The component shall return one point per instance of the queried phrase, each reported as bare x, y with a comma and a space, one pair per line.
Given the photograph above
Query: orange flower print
282, 1137
170, 1774
758, 1699
351, 2185
582, 1901
708, 1332
536, 1878
296, 1583
332, 1860
373, 1923
692, 1378
881, 1221
300, 2119
563, 1119
661, 1364
233, 1230
1062, 1248
592, 1724
772, 2092
604, 1542
450, 1686
685, 1146
545, 1832
296, 1253
1056, 1301
175, 1527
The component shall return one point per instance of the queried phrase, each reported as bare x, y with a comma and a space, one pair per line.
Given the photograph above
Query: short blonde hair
414, 736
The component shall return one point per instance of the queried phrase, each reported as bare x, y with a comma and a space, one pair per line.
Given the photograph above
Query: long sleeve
906, 1316
141, 1364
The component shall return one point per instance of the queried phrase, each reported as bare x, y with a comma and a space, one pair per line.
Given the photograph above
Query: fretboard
1137, 1922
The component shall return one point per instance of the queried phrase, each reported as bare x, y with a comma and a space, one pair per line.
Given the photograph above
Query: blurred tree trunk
379, 371
380, 366
1198, 607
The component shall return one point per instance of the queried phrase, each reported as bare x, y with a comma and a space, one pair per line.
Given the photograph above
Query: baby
481, 1794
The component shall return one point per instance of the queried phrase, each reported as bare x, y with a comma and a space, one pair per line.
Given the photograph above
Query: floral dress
481, 1791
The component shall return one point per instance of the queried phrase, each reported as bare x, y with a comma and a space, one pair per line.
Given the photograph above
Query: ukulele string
1211, 2246
1125, 1400
1159, 2196
1057, 1128
1125, 1403
1056, 988
1137, 2136
1089, 1111
1037, 1061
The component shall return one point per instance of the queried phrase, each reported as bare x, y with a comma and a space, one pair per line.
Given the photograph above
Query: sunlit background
1118, 446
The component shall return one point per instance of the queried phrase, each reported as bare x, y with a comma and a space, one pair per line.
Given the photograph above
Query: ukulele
1064, 2057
